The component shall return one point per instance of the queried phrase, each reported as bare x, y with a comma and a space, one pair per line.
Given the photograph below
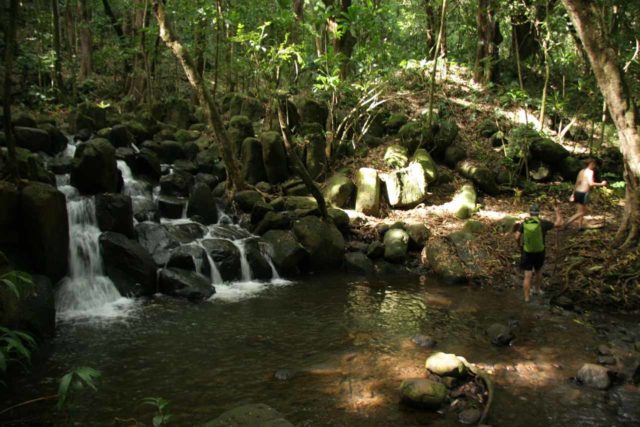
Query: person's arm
592, 182
559, 221
517, 233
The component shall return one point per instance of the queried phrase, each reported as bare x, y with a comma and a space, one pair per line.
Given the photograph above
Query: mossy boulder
202, 204
322, 240
33, 139
443, 259
423, 157
90, 116
423, 392
446, 365
545, 150
396, 244
120, 136
292, 203
359, 263
94, 167
274, 157
367, 191
407, 187
239, 129
411, 136
487, 128
480, 174
286, 253
453, 155
394, 122
418, 235
570, 167
247, 199
340, 219
186, 135
463, 203
396, 156
128, 264
252, 162
339, 191
445, 135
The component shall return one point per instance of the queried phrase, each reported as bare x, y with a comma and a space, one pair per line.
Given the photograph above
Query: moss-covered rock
286, 253
367, 191
33, 139
463, 203
453, 155
418, 235
322, 240
396, 244
423, 392
247, 199
90, 116
443, 138
480, 174
446, 365
339, 191
340, 219
202, 204
396, 156
411, 136
274, 157
423, 157
443, 259
315, 155
313, 111
487, 128
394, 122
94, 167
359, 263
407, 187
570, 167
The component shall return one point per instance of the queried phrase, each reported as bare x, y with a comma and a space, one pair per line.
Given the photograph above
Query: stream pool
342, 346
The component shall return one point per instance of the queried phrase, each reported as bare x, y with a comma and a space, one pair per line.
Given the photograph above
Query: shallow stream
340, 346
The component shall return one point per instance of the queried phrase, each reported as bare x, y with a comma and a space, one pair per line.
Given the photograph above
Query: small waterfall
86, 292
245, 268
216, 277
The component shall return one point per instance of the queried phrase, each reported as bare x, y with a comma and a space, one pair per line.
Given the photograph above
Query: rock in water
443, 259
446, 365
368, 191
157, 240
322, 240
423, 392
94, 167
499, 334
357, 262
286, 253
396, 244
594, 376
423, 341
128, 265
114, 212
253, 415
184, 283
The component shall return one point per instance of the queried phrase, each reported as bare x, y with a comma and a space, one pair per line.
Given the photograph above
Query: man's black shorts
532, 261
580, 197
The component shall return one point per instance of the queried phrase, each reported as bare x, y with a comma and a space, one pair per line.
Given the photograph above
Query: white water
86, 292
245, 268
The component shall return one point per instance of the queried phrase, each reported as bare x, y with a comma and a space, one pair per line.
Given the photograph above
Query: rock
293, 203
539, 172
157, 240
340, 219
202, 204
423, 341
375, 250
316, 157
570, 167
407, 187
183, 283
506, 224
322, 240
184, 135
274, 157
473, 227
189, 257
357, 262
469, 416
23, 119
499, 334
44, 228
82, 135
260, 268
252, 162
259, 211
240, 128
33, 312
139, 131
9, 214
121, 137
206, 160
286, 253
394, 122
146, 164
185, 166
209, 180
444, 137
442, 258
252, 415
170, 151
594, 376
114, 212
226, 256
604, 350
464, 201
273, 221
453, 155
176, 184
606, 360
129, 265
367, 191
487, 128
446, 365
186, 232
247, 199
479, 174
396, 244
423, 157
412, 136
545, 150
33, 139
312, 111
171, 207
418, 235
94, 167
423, 392
91, 117
284, 374
177, 112
396, 156
339, 191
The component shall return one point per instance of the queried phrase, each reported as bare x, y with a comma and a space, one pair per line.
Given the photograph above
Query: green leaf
63, 389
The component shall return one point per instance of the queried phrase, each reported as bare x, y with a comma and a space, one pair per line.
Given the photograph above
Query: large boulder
186, 232
206, 160
247, 199
59, 140
594, 376
189, 257
322, 240
33, 139
396, 244
394, 122
339, 190
30, 166
453, 155
252, 162
226, 257
177, 184
251, 415
406, 187
146, 164
446, 365
396, 156
480, 174
129, 265
545, 150
423, 392
274, 157
358, 262
157, 240
274, 221
114, 212
463, 203
367, 191
90, 116
183, 283
286, 253
33, 311
260, 268
202, 204
570, 167
44, 227
412, 135
94, 167
120, 136
443, 259
240, 128
418, 235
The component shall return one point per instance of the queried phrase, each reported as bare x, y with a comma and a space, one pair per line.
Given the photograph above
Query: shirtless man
580, 196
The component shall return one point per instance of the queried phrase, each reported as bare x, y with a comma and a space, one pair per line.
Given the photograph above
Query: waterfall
245, 268
216, 277
86, 292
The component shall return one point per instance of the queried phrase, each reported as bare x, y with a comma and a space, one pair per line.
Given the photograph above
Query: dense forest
294, 203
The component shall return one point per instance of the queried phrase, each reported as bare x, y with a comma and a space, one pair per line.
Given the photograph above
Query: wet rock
128, 264
185, 284
418, 235
500, 334
274, 157
189, 257
469, 416
375, 250
322, 240
94, 167
33, 139
146, 164
367, 191
627, 400
396, 244
260, 268
252, 162
114, 212
33, 312
177, 184
423, 341
226, 256
157, 240
44, 228
187, 232
396, 156
253, 415
357, 262
480, 174
247, 199
423, 392
120, 136
286, 253
443, 259
202, 204
594, 376
446, 365
274, 221
171, 207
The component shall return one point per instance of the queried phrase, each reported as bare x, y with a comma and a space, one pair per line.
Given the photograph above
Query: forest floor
583, 266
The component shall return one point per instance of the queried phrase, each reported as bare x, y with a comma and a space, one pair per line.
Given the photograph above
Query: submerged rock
499, 334
423, 392
322, 240
252, 415
594, 376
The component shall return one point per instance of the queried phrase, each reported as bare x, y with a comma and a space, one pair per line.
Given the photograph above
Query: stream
327, 351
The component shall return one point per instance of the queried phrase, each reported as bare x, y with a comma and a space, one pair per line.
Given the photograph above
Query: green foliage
17, 282
162, 417
75, 381
15, 347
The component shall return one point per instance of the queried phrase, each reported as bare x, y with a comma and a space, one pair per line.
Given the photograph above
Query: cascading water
86, 292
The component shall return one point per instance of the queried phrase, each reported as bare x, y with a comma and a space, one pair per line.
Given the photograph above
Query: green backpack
533, 238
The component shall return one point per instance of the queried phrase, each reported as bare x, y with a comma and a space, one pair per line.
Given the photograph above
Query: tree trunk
86, 43
344, 44
430, 26
610, 78
9, 47
57, 63
235, 180
488, 40
117, 28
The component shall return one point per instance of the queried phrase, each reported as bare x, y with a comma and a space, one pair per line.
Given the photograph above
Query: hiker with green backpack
530, 235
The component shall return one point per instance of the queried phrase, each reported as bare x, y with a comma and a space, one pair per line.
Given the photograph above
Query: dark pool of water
344, 342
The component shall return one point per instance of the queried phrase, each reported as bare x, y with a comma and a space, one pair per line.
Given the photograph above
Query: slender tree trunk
235, 181
344, 44
57, 63
9, 48
86, 42
117, 28
432, 86
610, 78
487, 50
430, 26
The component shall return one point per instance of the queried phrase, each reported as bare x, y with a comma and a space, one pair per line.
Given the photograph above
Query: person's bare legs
579, 215
526, 285
537, 281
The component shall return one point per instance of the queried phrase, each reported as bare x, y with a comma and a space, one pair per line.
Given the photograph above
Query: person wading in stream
530, 235
580, 196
